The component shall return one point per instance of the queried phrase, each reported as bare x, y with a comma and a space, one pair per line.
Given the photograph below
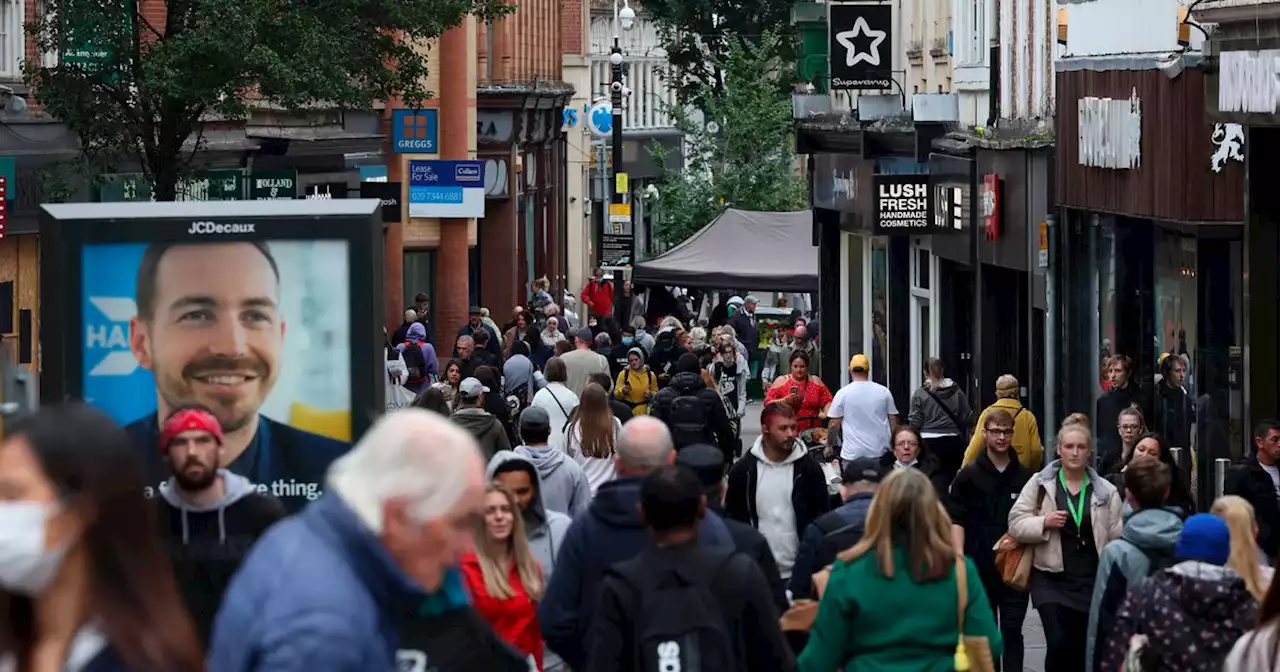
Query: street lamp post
623, 19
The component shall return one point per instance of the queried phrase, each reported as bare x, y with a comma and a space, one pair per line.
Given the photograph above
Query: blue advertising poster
256, 332
415, 131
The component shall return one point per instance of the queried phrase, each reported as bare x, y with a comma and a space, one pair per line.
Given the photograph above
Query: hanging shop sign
949, 214
386, 192
415, 131
903, 204
1110, 132
600, 118
991, 206
1248, 81
1228, 143
860, 46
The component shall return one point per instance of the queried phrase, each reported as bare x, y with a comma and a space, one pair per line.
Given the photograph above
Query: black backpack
1157, 560
687, 419
415, 361
678, 620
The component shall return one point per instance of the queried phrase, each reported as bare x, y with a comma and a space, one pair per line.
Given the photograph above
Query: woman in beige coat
1065, 514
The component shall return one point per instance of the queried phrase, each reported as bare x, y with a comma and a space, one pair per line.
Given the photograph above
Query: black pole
615, 90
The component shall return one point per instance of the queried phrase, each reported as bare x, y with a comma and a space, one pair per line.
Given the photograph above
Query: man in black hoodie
1258, 482
692, 411
672, 505
707, 462
981, 496
210, 517
666, 353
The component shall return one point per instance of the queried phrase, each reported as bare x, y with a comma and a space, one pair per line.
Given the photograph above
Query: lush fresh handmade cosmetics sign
446, 189
903, 204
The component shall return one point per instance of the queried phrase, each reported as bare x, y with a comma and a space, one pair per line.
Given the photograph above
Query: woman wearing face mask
503, 577
1066, 514
84, 582
636, 385
911, 452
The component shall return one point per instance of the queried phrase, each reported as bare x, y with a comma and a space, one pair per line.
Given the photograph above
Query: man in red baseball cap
211, 516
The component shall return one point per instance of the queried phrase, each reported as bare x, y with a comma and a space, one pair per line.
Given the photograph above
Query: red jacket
598, 296
515, 620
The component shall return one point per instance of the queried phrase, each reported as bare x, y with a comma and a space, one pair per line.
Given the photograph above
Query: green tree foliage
698, 36
743, 156
137, 93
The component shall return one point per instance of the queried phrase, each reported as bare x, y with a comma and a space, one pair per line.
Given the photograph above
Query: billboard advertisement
262, 327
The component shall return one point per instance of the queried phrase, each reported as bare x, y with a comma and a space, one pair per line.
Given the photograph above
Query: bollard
1176, 454
1220, 467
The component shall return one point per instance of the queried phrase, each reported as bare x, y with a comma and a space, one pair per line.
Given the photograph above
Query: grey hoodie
207, 543
928, 416
1149, 531
543, 529
238, 487
565, 487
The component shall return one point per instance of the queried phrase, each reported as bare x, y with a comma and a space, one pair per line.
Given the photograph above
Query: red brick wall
528, 35
571, 37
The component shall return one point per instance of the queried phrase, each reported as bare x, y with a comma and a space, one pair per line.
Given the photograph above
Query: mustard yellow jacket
1026, 434
644, 384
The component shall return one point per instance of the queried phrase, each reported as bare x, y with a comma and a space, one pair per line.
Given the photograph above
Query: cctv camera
1171, 65
616, 58
626, 92
616, 86
627, 17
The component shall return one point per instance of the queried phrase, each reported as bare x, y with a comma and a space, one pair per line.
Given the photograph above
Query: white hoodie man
564, 486
775, 488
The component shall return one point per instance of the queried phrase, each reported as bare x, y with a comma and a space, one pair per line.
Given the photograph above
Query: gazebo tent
741, 249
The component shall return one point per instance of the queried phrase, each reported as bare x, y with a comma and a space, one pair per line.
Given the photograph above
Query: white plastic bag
397, 370
398, 396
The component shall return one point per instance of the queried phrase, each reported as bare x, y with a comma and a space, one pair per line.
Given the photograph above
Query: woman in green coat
892, 603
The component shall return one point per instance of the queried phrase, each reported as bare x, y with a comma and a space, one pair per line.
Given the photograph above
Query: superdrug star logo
853, 55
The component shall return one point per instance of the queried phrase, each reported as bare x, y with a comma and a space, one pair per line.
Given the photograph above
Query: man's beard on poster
200, 480
225, 410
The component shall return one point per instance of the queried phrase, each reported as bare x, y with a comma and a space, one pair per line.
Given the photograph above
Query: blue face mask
628, 340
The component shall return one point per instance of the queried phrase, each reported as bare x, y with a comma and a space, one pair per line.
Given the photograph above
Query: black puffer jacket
1191, 614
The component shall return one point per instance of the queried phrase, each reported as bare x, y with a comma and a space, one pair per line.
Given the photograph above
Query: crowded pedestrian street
639, 336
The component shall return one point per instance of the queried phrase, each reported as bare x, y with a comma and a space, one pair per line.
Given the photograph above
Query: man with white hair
330, 588
611, 531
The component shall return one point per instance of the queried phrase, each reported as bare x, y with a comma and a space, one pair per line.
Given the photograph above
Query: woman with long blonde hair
592, 434
1246, 557
502, 576
905, 565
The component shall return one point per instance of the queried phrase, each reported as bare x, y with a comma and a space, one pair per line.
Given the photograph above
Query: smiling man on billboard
209, 327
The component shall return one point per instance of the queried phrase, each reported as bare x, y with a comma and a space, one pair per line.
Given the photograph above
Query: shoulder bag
973, 654
960, 427
1013, 559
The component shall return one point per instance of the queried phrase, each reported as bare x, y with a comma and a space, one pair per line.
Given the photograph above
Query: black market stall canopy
742, 249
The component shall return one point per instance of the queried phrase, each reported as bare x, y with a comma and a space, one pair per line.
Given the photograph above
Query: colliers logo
216, 228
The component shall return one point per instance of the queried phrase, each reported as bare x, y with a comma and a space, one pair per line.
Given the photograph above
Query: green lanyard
1077, 509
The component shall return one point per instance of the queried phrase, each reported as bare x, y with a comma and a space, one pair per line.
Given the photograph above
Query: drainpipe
993, 102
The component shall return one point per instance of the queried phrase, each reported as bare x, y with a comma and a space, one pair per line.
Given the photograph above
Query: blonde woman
1246, 557
1066, 514
905, 565
592, 434
503, 577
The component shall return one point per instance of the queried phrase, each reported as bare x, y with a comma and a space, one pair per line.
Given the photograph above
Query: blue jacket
609, 532
851, 512
319, 592
278, 454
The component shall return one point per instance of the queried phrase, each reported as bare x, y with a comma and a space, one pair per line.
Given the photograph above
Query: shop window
419, 275
880, 310
924, 341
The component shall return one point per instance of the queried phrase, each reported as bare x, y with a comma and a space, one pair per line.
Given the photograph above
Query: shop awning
741, 249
